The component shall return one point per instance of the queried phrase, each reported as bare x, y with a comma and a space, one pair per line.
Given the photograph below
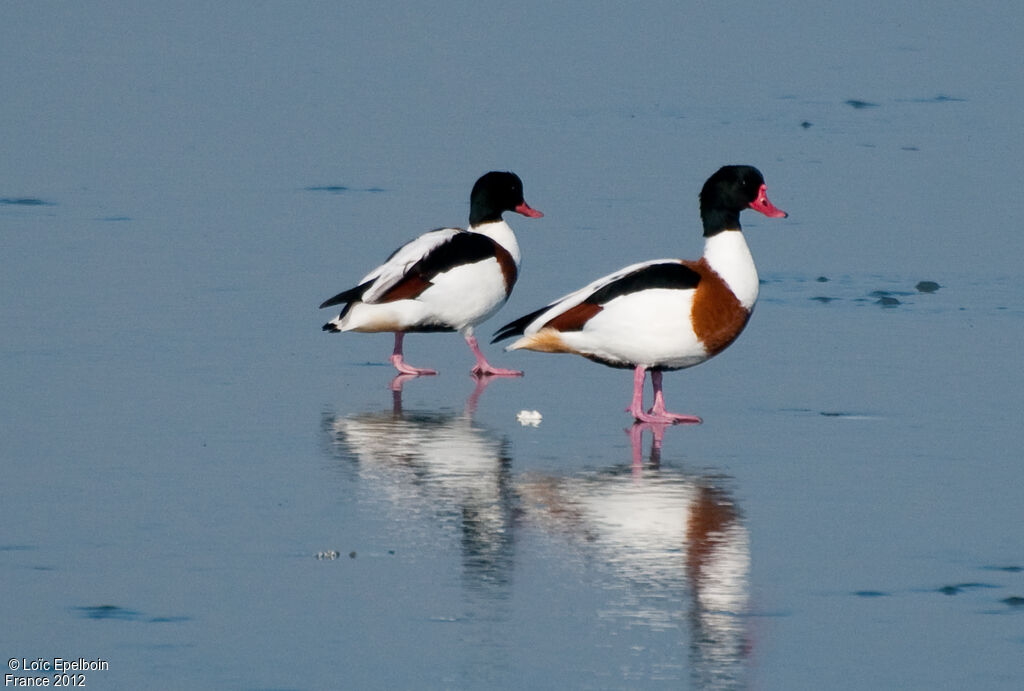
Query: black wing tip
347, 296
339, 299
517, 327
507, 331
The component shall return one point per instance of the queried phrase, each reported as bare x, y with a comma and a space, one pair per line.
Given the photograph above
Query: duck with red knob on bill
664, 314
449, 279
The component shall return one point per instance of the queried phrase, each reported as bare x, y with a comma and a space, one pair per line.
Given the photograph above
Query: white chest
727, 253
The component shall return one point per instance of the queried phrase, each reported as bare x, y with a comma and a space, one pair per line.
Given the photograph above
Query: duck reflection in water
669, 546
673, 542
437, 468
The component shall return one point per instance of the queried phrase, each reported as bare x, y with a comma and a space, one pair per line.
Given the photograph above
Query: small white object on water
529, 418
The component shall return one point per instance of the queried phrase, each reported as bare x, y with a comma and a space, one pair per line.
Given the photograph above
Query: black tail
516, 328
331, 326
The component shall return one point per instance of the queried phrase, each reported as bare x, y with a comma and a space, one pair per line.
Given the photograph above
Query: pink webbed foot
672, 419
482, 368
664, 417
399, 362
657, 414
405, 368
488, 371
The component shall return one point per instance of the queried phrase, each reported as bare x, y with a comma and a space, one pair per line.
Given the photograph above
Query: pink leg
658, 409
484, 368
657, 414
400, 364
636, 406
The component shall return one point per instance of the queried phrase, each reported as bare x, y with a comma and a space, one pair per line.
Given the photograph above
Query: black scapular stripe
461, 248
667, 275
664, 275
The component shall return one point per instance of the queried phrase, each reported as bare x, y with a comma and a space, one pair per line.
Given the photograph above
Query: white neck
727, 253
501, 233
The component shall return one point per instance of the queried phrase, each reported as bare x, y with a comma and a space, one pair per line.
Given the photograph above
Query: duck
664, 314
449, 279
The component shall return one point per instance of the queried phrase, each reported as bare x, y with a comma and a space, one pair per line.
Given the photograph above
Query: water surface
207, 491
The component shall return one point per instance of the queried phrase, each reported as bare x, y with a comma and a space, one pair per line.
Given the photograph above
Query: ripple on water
113, 612
24, 201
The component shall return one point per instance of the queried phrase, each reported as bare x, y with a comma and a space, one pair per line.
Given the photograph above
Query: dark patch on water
341, 189
870, 593
108, 612
17, 548
823, 299
962, 587
909, 148
1013, 601
24, 201
335, 189
886, 298
1007, 569
860, 105
806, 125
121, 614
822, 279
114, 219
927, 286
826, 413
941, 98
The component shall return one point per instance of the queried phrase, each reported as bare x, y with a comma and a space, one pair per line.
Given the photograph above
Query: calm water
205, 491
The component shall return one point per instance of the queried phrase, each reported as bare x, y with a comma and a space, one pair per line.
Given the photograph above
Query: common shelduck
449, 279
664, 314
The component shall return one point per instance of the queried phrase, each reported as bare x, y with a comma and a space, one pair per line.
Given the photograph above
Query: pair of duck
658, 315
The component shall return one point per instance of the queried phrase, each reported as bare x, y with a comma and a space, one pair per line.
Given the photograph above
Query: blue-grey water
203, 490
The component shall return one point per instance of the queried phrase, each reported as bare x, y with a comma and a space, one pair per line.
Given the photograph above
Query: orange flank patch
507, 265
717, 316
